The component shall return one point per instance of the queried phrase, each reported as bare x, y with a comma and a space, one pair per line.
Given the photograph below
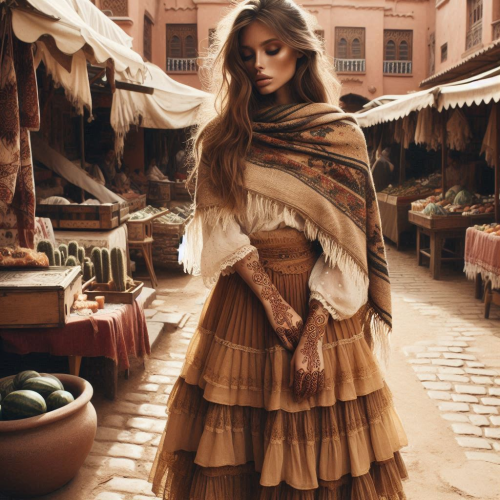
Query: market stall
482, 262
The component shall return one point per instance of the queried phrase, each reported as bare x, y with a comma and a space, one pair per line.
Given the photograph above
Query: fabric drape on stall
458, 133
428, 129
489, 146
19, 114
409, 124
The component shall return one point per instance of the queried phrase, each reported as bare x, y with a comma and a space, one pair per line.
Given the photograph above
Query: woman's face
270, 63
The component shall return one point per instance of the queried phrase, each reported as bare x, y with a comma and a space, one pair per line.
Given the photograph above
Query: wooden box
112, 296
39, 298
159, 193
448, 222
101, 217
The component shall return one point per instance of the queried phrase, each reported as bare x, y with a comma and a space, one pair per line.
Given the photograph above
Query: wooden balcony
397, 67
182, 65
350, 65
474, 36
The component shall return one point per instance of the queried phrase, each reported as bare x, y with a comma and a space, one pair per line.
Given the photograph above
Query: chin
266, 90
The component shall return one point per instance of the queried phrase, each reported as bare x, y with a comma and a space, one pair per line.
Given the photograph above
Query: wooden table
439, 228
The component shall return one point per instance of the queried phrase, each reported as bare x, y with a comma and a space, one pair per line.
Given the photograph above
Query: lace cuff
226, 266
333, 312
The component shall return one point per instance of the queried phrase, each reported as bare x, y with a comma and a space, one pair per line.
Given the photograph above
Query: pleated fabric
234, 430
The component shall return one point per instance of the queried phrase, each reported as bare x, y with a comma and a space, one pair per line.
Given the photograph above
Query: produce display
455, 201
493, 228
29, 394
177, 215
413, 187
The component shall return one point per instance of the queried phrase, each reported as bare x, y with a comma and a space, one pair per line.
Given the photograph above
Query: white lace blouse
223, 247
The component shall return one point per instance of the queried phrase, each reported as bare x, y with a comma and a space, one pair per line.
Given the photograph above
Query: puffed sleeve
338, 294
212, 249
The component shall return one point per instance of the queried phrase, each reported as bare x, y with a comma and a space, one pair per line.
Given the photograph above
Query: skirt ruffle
235, 431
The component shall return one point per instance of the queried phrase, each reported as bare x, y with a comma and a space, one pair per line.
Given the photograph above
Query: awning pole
402, 163
444, 153
82, 146
497, 166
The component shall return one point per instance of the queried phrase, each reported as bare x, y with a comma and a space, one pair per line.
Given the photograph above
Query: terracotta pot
40, 454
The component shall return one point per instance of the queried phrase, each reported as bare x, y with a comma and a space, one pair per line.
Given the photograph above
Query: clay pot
40, 454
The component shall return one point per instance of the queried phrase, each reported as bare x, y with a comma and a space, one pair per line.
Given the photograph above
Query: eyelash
269, 53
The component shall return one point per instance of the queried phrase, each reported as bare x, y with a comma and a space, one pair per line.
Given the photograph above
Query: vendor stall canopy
70, 34
475, 90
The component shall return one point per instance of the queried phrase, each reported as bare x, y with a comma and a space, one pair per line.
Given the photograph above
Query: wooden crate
39, 298
452, 221
114, 297
159, 193
107, 216
134, 202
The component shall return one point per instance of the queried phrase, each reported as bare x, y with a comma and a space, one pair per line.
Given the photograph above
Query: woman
280, 396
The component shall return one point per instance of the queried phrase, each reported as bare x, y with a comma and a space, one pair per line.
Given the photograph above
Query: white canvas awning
480, 88
172, 105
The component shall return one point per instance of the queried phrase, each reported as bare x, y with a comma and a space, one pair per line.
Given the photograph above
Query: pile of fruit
415, 186
456, 201
30, 393
493, 228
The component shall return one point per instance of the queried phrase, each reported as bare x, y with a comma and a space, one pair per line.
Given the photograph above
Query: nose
258, 61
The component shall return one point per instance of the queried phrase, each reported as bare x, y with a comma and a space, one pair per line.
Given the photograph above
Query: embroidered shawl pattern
311, 160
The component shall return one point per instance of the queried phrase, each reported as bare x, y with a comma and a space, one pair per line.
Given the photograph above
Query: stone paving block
106, 463
492, 433
149, 313
479, 420
160, 379
495, 420
428, 355
425, 342
127, 485
146, 410
155, 329
446, 406
146, 424
481, 380
124, 450
490, 401
494, 391
464, 398
484, 410
441, 349
437, 386
480, 371
113, 421
470, 389
453, 378
148, 387
473, 442
455, 417
483, 457
108, 434
455, 349
137, 397
475, 364
109, 495
439, 395
425, 369
172, 319
467, 429
496, 446
451, 371
448, 362
467, 339
452, 355
473, 349
157, 303
426, 376
497, 381
416, 361
452, 343
410, 349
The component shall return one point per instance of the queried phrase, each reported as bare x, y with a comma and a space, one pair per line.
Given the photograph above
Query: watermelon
22, 377
6, 385
452, 192
23, 404
463, 198
43, 385
48, 375
58, 399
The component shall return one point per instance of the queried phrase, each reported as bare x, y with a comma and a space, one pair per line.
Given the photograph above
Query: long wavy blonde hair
223, 133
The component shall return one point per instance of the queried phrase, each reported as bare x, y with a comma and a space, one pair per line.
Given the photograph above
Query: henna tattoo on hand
288, 332
312, 380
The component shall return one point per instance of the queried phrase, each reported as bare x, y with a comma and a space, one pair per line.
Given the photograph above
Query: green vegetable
43, 385
23, 404
20, 378
58, 399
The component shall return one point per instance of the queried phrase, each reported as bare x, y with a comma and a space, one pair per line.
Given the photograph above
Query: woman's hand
307, 370
284, 319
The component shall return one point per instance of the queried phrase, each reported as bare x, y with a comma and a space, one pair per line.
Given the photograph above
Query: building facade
379, 47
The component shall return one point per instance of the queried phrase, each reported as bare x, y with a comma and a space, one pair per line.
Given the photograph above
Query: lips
263, 80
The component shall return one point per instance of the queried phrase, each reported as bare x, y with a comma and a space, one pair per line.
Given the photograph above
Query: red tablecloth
482, 256
117, 334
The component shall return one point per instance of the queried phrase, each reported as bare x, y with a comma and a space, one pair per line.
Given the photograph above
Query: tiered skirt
234, 430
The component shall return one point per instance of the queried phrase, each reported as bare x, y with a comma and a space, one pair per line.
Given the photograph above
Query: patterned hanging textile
19, 114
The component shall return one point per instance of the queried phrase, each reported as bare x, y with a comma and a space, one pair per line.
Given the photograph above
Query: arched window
175, 47
342, 51
403, 51
356, 49
390, 51
190, 47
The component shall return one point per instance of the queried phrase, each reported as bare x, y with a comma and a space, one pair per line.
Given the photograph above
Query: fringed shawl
311, 160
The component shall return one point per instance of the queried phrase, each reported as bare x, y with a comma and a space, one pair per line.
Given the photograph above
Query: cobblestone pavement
445, 362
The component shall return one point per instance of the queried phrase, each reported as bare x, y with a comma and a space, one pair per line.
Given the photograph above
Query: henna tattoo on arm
311, 380
288, 331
